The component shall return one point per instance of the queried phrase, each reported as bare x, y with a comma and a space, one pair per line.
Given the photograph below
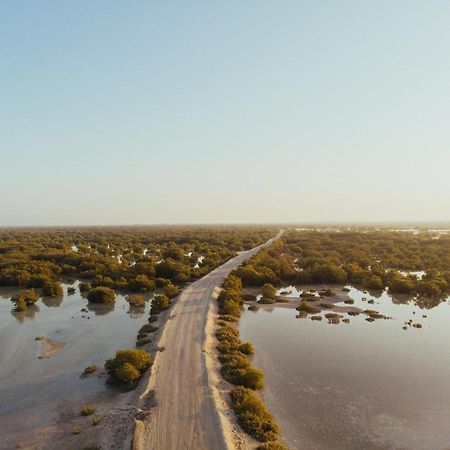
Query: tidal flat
381, 384
44, 351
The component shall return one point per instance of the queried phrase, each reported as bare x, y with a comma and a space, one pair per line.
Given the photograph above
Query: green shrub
171, 290
127, 367
136, 300
308, 307
87, 410
268, 291
271, 446
374, 282
399, 285
84, 287
253, 415
52, 289
141, 284
160, 303
101, 295
233, 282
247, 348
76, 430
327, 293
237, 370
96, 421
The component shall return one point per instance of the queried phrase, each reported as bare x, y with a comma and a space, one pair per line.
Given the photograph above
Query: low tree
136, 300
268, 291
160, 303
52, 289
101, 295
84, 287
171, 290
127, 367
141, 284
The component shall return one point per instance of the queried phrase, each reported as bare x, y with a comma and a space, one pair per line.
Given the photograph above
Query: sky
119, 112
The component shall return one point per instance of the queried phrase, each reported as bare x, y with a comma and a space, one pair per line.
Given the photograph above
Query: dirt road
184, 416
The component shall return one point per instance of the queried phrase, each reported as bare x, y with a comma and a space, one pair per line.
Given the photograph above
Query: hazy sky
118, 112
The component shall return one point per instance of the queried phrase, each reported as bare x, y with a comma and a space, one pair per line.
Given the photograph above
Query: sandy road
184, 416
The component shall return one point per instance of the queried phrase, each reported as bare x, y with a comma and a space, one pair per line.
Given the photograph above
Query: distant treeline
371, 259
136, 259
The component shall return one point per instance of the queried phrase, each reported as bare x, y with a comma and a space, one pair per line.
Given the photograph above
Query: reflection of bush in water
52, 302
428, 303
136, 312
28, 314
100, 309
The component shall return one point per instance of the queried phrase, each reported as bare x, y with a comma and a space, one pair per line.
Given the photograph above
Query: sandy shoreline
235, 437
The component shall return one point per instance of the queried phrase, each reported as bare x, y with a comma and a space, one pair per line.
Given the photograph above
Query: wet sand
48, 347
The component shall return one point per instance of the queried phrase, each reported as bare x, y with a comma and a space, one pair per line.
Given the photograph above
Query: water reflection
136, 310
357, 385
52, 302
40, 389
100, 309
30, 312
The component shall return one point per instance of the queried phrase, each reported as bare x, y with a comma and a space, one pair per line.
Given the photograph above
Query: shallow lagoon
37, 393
359, 385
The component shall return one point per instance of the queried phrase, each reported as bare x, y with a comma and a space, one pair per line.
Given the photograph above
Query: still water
359, 385
36, 393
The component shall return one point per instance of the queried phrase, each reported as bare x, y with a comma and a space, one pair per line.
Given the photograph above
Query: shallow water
359, 385
35, 392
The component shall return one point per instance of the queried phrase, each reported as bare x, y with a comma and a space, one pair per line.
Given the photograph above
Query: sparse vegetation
96, 421
308, 307
87, 410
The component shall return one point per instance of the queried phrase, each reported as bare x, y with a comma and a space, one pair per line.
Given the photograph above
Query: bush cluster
101, 295
253, 415
160, 303
369, 259
128, 258
236, 367
136, 300
127, 367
